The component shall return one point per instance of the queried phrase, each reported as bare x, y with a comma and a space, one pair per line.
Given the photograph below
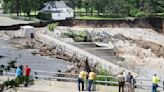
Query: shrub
44, 15
17, 81
78, 36
104, 72
52, 26
12, 63
140, 14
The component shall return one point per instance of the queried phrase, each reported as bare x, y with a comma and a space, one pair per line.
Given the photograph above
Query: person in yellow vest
155, 81
82, 77
92, 77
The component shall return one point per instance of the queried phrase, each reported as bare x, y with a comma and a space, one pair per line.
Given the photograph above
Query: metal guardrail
73, 77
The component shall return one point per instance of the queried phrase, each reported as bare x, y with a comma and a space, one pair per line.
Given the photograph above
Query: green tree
79, 5
6, 7
35, 5
26, 7
98, 6
86, 6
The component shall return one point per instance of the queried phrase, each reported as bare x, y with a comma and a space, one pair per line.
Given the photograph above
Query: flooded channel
24, 57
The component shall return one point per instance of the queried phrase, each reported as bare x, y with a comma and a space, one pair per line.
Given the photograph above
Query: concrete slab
7, 21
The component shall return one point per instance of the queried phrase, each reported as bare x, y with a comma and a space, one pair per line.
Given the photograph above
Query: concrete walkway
60, 86
6, 21
55, 86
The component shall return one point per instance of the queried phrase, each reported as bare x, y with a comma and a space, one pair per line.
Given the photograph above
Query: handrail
38, 71
97, 81
66, 78
102, 76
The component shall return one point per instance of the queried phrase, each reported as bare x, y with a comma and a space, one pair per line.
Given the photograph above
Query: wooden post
49, 81
163, 85
163, 27
59, 75
106, 80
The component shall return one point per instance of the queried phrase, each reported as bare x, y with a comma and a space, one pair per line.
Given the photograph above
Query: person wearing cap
81, 78
155, 81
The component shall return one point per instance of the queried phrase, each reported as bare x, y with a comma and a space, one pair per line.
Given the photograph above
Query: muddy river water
24, 57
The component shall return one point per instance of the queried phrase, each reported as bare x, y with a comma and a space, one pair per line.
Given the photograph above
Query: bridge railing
58, 76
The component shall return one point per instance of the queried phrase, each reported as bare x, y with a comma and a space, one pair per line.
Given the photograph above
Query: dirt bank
157, 49
153, 23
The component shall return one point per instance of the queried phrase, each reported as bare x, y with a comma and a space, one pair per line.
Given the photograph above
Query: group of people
129, 83
126, 83
23, 71
89, 77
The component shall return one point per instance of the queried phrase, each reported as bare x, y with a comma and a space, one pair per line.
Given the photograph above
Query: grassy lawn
103, 18
24, 17
161, 15
33, 13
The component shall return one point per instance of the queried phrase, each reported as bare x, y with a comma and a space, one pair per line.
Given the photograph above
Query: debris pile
138, 56
58, 52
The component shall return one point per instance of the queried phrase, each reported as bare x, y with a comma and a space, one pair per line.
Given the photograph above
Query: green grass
33, 13
160, 14
103, 18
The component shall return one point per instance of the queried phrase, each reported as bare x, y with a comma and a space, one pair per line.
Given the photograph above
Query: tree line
119, 7
115, 8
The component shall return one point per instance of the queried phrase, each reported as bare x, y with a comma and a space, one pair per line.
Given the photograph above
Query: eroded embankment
156, 24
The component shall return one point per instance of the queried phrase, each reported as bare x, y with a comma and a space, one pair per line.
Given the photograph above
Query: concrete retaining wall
114, 69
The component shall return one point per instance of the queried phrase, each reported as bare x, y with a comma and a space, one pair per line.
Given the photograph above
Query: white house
59, 10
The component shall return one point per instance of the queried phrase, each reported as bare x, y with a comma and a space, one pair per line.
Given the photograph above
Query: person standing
81, 78
22, 71
27, 75
155, 81
121, 81
129, 81
92, 77
18, 72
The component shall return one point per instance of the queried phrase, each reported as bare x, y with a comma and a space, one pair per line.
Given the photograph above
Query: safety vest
155, 79
92, 76
82, 75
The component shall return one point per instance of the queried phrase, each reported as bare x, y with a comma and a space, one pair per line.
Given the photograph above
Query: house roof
57, 4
